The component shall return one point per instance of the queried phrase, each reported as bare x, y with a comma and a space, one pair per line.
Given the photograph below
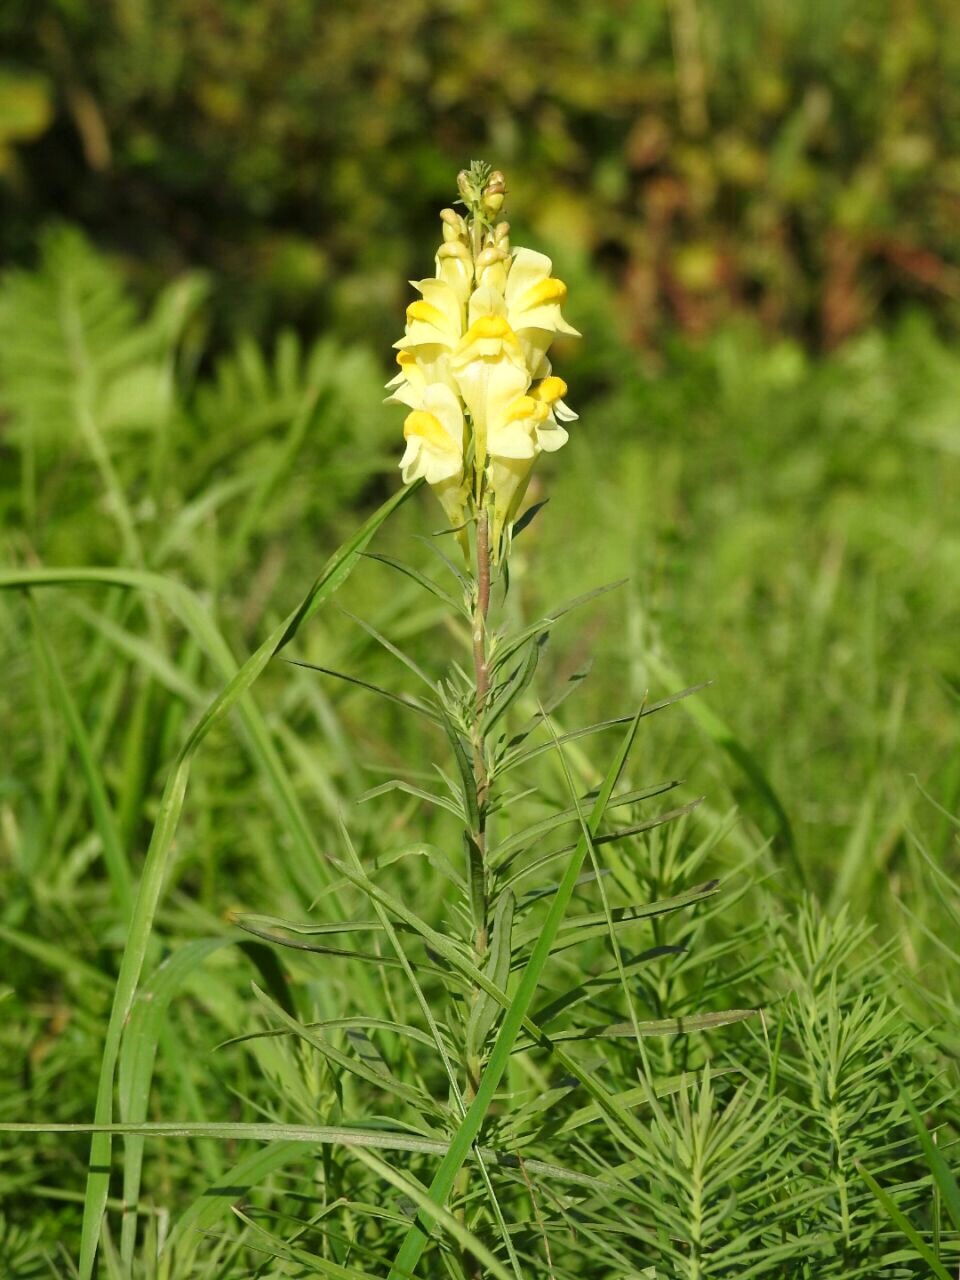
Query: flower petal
527, 270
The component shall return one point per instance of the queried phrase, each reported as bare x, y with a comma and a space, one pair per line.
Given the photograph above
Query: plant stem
482, 683
478, 837
481, 676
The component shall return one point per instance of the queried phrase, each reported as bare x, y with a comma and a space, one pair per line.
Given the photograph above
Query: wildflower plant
483, 403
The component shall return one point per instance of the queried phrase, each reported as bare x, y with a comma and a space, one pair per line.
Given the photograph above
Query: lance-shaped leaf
485, 1009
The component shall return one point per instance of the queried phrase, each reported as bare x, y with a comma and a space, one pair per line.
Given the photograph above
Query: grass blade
114, 856
899, 1219
452, 1225
135, 1067
946, 1182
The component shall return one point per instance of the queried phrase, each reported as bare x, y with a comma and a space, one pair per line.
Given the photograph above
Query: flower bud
455, 265
465, 187
454, 249
454, 227
493, 193
487, 257
501, 236
491, 268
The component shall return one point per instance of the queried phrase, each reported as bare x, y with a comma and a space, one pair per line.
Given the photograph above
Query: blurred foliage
127, 441
798, 161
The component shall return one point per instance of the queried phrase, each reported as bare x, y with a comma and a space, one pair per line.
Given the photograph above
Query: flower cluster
473, 365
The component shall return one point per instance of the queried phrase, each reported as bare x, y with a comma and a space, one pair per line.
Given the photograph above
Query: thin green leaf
391, 648
508, 848
503, 651
371, 1137
468, 782
609, 837
398, 784
658, 1027
946, 1182
428, 584
356, 1065
114, 856
528, 517
512, 759
900, 1220
595, 924
135, 1067
443, 1217
411, 704
507, 693
485, 1010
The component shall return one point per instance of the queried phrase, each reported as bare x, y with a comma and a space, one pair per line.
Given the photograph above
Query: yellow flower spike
473, 366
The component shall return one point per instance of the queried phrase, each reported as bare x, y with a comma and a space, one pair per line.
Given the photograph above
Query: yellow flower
533, 298
516, 437
407, 387
435, 317
490, 372
435, 435
549, 390
435, 444
434, 326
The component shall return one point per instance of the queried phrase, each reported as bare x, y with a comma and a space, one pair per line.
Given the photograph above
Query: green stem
482, 681
478, 837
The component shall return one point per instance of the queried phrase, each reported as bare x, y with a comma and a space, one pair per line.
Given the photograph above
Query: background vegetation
209, 212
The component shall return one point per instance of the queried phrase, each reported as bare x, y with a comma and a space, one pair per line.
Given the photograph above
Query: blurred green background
796, 163
209, 212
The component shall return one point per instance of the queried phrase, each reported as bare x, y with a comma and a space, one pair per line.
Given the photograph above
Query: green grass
234, 888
